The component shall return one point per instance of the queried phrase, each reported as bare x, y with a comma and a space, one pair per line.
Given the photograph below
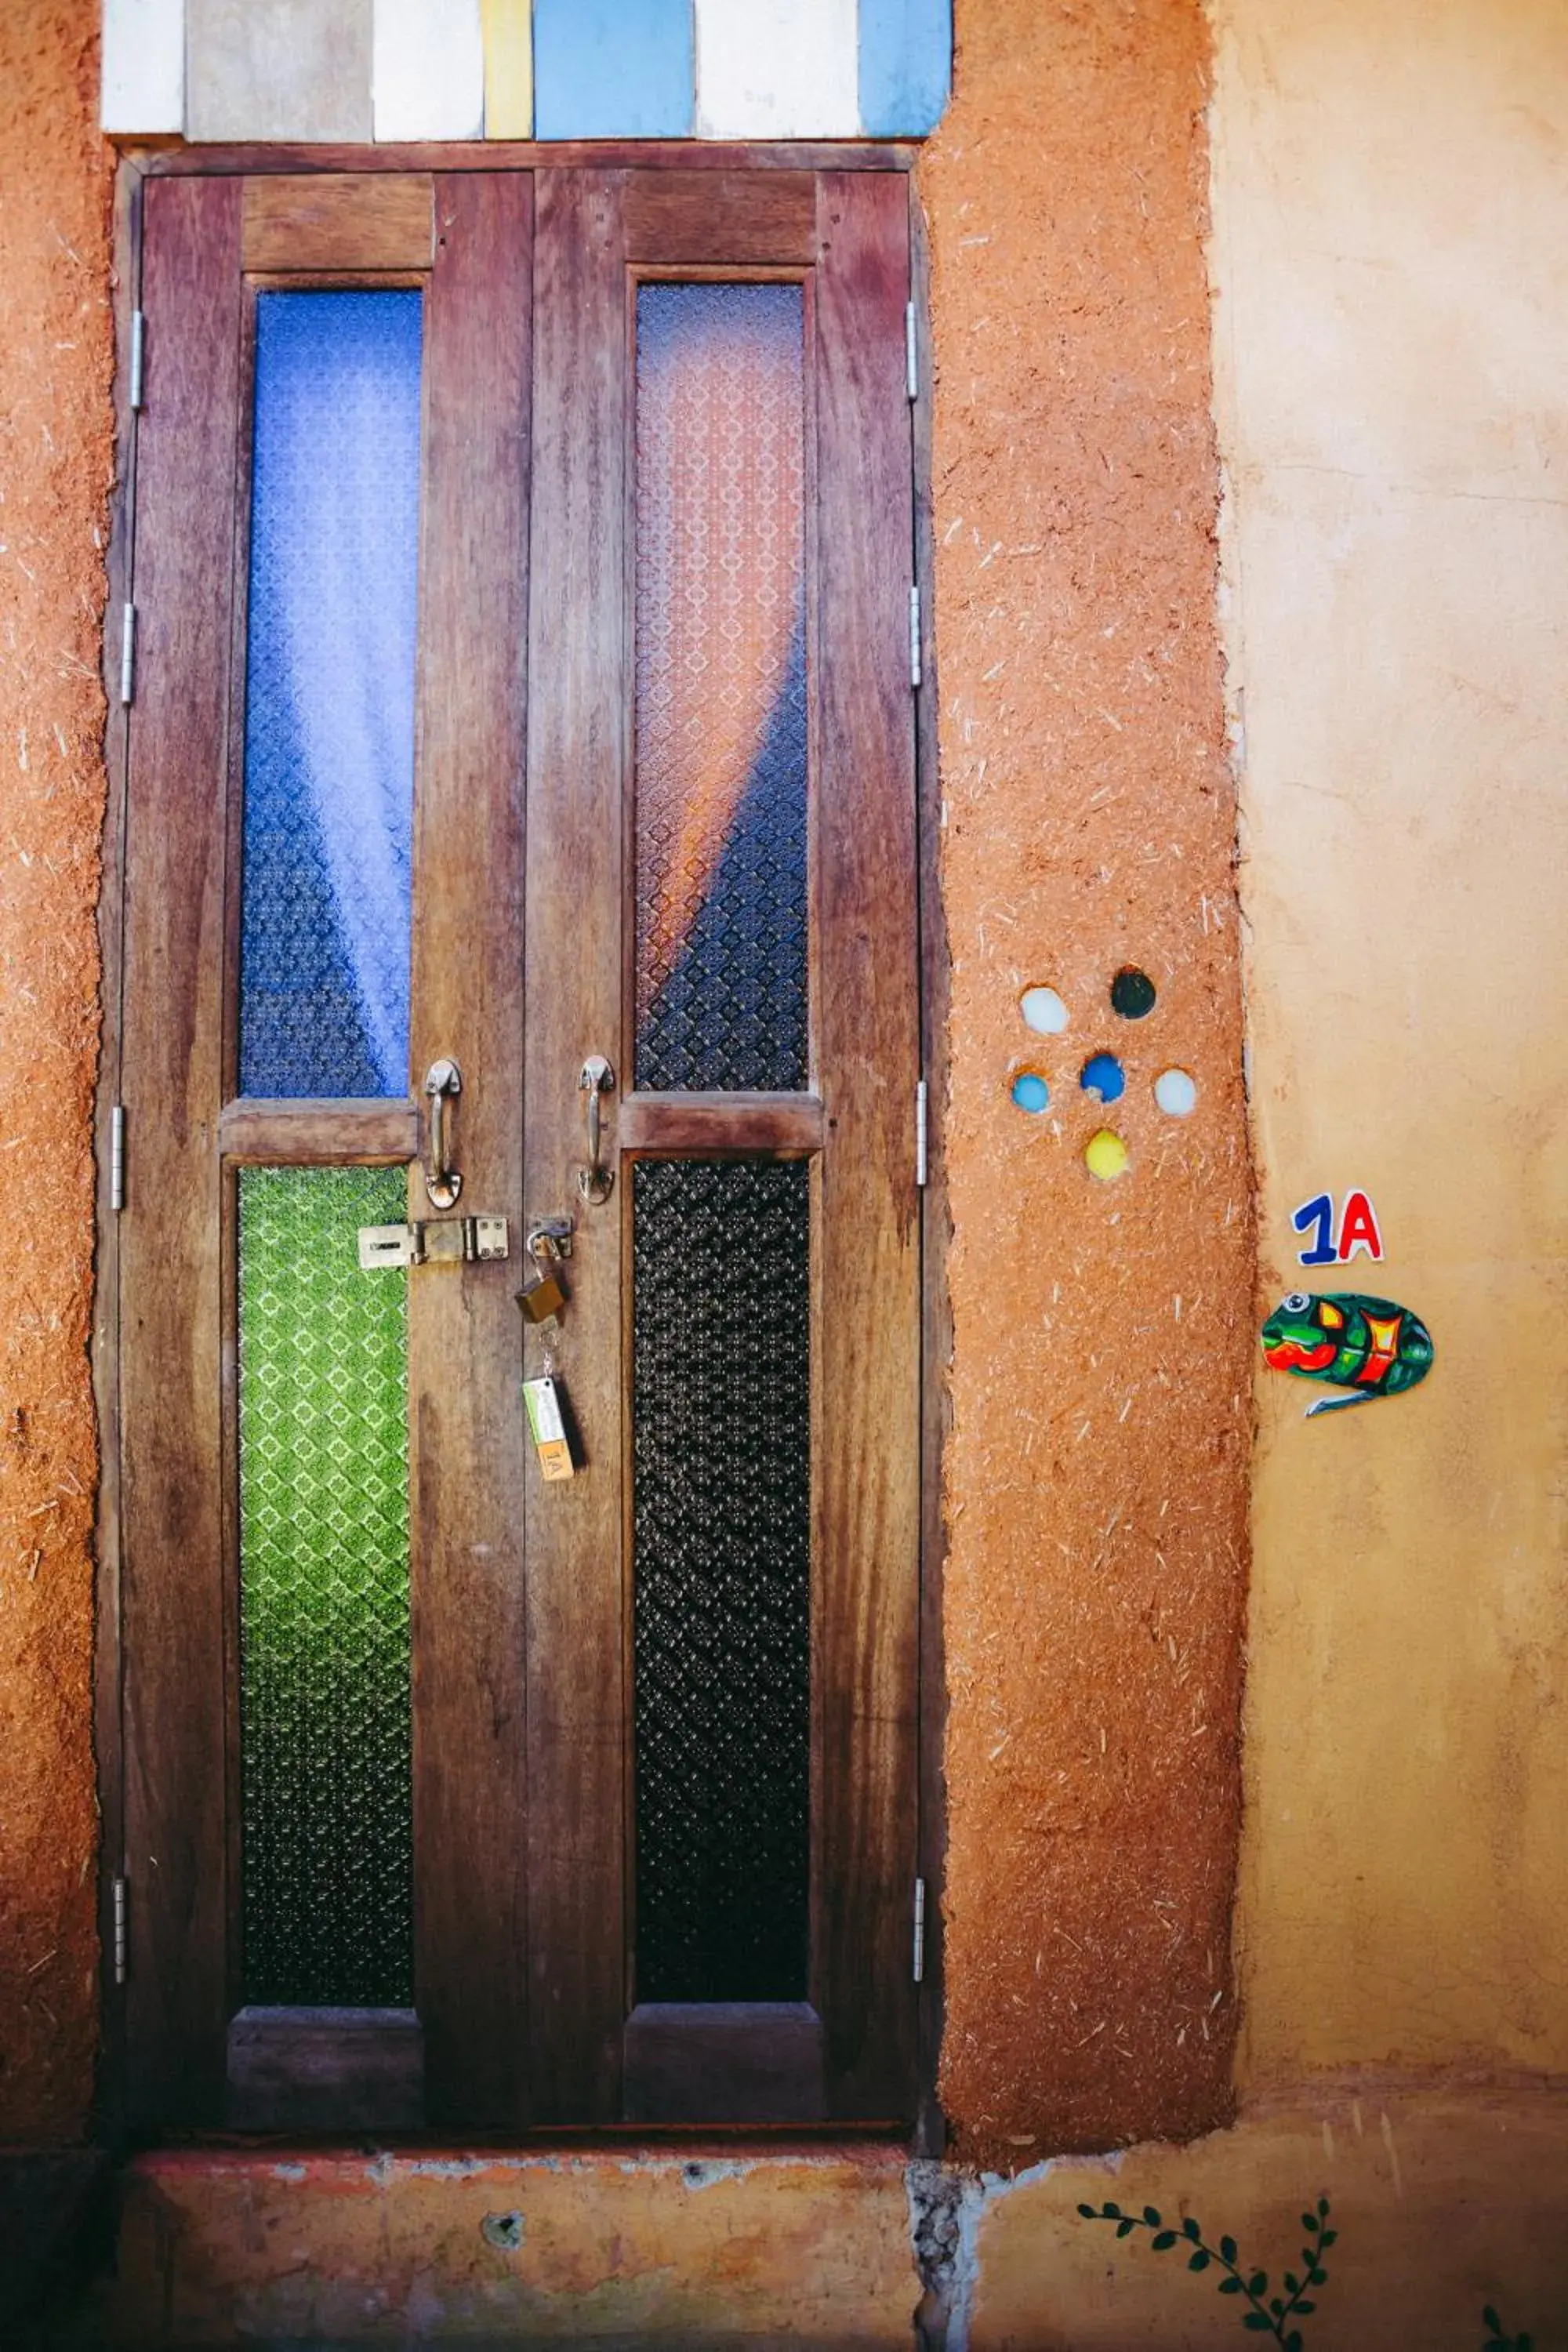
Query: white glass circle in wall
1176, 1093
1042, 1012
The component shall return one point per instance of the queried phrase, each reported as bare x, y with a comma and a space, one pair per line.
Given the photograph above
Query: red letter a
1358, 1229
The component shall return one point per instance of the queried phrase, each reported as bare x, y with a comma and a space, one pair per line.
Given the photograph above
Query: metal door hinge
921, 1133
446, 1241
117, 1158
138, 355
914, 637
911, 354
118, 1902
919, 1952
128, 653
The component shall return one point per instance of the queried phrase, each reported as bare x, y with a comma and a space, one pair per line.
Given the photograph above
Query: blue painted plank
613, 68
906, 66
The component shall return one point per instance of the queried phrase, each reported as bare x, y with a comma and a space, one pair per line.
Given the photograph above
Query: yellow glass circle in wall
1105, 1154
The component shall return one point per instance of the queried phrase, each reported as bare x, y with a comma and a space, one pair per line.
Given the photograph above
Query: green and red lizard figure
1369, 1345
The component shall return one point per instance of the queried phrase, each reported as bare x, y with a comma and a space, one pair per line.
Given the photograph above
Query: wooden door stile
109, 1648
577, 768
175, 1679
936, 1315
465, 1426
868, 1476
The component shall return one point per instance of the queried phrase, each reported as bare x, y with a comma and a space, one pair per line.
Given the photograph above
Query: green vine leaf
1263, 2319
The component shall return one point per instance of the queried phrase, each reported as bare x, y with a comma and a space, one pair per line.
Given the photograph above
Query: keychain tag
544, 1420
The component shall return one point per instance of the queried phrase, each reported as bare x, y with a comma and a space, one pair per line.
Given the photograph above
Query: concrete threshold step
715, 2248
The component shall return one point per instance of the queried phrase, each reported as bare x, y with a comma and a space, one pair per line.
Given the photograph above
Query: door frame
117, 1923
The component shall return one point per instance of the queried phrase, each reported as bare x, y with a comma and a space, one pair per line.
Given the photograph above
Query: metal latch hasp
445, 1241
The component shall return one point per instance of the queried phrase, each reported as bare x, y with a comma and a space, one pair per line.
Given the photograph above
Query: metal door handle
596, 1180
442, 1182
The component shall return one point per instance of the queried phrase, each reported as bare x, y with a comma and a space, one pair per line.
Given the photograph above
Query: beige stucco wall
1390, 257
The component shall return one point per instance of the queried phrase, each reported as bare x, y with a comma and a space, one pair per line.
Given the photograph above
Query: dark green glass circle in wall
1131, 993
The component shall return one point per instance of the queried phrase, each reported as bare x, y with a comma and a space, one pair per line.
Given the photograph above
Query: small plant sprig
1498, 2337
1268, 2315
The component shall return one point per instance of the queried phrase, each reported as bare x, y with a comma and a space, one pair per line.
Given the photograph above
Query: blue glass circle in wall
1101, 1075
1030, 1091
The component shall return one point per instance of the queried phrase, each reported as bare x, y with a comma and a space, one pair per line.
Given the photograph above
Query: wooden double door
521, 738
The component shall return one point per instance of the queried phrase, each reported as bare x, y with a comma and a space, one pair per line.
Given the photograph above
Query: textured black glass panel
325, 1769
329, 717
720, 688
721, 1521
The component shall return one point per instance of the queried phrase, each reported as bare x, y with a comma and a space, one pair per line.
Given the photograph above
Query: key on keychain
551, 1442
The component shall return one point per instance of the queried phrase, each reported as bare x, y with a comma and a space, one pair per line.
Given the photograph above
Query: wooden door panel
340, 220
725, 220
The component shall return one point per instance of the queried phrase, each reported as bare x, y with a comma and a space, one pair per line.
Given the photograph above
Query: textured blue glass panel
329, 718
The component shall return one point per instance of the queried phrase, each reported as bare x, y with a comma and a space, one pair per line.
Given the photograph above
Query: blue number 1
1318, 1212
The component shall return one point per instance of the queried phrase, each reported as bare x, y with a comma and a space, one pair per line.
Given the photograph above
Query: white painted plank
777, 69
427, 71
143, 65
292, 70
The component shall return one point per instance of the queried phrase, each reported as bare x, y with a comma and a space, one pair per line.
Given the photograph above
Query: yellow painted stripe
509, 68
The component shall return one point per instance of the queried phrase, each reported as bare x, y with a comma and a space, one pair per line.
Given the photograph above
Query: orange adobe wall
56, 461
1102, 1375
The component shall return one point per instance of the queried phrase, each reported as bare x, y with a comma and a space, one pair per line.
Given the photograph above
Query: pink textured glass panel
720, 688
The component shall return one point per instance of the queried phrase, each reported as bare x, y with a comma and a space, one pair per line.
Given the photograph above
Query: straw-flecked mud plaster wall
1391, 258
55, 467
1101, 1373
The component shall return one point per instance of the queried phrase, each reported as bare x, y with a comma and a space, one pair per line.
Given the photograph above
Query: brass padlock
543, 1295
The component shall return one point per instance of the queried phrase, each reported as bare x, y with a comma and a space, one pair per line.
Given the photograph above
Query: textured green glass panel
327, 1807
